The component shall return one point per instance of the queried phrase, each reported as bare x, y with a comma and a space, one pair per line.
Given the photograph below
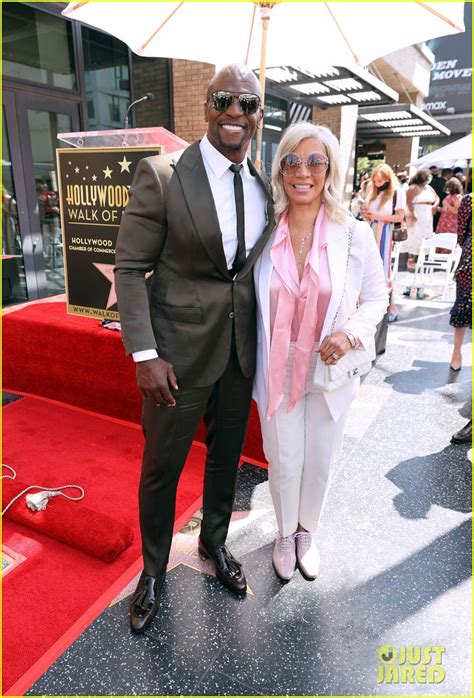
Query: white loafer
284, 557
307, 554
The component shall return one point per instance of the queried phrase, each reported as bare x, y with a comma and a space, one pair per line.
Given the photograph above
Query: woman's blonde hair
332, 192
386, 172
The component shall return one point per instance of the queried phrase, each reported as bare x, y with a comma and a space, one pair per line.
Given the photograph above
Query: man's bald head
232, 75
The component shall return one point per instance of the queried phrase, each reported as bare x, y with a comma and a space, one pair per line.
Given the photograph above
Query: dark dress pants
169, 432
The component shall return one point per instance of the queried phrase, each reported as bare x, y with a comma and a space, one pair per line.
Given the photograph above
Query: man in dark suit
198, 220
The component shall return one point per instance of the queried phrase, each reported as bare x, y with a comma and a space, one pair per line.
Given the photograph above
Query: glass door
13, 266
39, 119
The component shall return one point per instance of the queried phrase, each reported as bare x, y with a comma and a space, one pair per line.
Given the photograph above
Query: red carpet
56, 585
85, 529
76, 361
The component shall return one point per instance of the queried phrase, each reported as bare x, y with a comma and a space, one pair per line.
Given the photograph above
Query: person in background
469, 181
364, 183
384, 206
461, 312
446, 173
438, 183
459, 173
403, 180
449, 210
304, 281
422, 202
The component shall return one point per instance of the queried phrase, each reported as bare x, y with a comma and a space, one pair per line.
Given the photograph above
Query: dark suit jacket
189, 304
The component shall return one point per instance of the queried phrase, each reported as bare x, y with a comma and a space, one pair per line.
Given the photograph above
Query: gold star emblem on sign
107, 172
124, 164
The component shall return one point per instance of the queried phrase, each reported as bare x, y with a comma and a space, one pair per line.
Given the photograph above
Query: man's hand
333, 347
154, 378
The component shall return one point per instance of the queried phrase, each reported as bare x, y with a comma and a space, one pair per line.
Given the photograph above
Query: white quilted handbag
356, 362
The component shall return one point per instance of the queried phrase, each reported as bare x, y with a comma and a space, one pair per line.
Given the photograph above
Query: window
114, 108
37, 46
107, 76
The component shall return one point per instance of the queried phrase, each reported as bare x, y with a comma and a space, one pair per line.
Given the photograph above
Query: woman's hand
333, 347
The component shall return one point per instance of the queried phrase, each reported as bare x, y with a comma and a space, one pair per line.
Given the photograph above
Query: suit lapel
198, 195
263, 275
337, 261
197, 192
269, 223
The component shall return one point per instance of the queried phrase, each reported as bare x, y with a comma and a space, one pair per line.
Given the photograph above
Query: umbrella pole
265, 9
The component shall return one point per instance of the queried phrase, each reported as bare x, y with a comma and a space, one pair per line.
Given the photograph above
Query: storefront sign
451, 74
93, 192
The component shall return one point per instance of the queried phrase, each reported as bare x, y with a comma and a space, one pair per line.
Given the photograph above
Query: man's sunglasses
222, 100
316, 163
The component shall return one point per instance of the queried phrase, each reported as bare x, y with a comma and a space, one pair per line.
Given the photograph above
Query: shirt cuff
145, 355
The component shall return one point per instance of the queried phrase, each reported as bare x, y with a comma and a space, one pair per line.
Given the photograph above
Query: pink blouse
297, 309
323, 297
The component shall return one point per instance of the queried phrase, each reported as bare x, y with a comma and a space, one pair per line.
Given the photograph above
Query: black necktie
240, 257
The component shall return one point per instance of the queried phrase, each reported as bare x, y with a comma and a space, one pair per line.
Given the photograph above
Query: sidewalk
395, 549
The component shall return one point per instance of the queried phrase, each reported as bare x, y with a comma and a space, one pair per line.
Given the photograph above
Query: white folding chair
429, 261
395, 260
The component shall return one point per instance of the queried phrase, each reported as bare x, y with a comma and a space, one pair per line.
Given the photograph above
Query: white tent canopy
448, 154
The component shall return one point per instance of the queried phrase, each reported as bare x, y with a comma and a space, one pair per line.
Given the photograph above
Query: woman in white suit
305, 279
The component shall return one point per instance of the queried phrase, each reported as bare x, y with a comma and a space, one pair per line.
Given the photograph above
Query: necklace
302, 241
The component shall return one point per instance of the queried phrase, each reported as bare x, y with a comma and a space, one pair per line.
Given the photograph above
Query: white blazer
363, 305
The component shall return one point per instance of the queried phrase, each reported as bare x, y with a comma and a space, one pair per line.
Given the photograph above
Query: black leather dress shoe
228, 569
144, 602
464, 435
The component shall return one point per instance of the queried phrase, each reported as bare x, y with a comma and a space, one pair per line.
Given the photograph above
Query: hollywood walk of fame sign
93, 192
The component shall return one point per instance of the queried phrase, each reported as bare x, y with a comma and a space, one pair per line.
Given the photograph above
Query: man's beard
243, 143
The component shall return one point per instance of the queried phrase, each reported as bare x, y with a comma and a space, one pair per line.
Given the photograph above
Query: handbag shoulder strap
349, 247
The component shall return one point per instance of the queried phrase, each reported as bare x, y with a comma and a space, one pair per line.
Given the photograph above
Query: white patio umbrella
308, 34
448, 154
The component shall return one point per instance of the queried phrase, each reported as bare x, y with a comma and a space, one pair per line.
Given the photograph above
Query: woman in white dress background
422, 203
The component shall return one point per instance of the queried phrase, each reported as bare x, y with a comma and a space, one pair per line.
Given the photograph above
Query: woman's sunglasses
222, 100
315, 164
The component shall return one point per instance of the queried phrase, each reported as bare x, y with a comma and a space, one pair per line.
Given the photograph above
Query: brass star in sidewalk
107, 172
124, 164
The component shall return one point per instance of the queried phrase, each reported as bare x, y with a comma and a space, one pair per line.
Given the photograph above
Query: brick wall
190, 81
152, 75
400, 151
343, 123
330, 117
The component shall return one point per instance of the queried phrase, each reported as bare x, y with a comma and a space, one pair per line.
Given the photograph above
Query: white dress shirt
221, 180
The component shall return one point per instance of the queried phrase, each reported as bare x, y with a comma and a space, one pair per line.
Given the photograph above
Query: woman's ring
335, 356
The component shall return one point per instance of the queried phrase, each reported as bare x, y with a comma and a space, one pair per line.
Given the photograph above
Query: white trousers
301, 448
